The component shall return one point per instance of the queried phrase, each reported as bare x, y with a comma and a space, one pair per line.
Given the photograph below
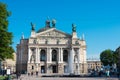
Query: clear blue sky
99, 20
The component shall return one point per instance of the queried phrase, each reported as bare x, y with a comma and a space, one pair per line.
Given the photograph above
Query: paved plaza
64, 78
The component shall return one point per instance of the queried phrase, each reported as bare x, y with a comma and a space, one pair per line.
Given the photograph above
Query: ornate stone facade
52, 51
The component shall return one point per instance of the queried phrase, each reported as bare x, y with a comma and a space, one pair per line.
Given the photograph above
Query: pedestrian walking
108, 73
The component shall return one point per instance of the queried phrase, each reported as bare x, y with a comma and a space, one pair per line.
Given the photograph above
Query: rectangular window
32, 67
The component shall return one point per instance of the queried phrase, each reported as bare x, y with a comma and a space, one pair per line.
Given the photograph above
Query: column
47, 60
84, 56
38, 54
71, 61
36, 67
61, 55
50, 55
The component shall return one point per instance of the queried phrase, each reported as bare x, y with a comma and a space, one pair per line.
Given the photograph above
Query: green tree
107, 58
117, 58
6, 50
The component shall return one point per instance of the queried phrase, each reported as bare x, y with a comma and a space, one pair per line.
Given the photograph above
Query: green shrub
3, 77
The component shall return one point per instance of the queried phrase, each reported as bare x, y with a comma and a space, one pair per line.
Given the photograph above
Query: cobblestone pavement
64, 78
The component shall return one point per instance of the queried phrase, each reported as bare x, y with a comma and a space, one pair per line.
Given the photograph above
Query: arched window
65, 55
54, 55
42, 55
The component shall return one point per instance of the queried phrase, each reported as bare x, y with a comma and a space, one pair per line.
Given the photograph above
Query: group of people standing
33, 73
18, 74
108, 73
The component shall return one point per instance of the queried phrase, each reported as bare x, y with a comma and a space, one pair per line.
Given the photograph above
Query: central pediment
52, 32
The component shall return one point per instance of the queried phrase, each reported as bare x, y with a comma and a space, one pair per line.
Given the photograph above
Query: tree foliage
117, 57
6, 50
107, 57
